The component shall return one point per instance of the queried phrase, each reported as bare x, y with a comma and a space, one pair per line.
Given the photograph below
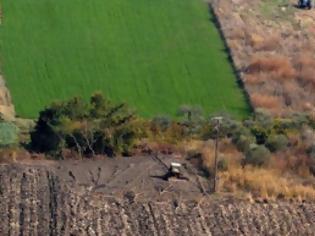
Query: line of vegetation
281, 150
263, 156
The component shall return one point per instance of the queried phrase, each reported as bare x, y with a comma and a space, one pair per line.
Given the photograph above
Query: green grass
153, 54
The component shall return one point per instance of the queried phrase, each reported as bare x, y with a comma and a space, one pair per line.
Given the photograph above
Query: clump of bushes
243, 142
277, 142
257, 155
89, 128
164, 129
280, 68
9, 134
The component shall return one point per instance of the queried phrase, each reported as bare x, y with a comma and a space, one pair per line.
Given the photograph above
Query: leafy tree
96, 127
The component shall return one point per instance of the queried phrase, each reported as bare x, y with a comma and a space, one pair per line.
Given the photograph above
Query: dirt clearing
141, 176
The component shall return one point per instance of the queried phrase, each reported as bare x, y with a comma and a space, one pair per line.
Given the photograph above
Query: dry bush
254, 39
304, 60
265, 183
236, 33
265, 101
164, 148
208, 158
279, 68
305, 67
8, 155
12, 155
260, 43
253, 79
227, 152
290, 92
235, 46
285, 162
307, 75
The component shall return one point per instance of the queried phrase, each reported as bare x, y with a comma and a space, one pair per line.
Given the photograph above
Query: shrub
258, 155
299, 120
243, 142
8, 134
190, 113
160, 123
277, 142
223, 165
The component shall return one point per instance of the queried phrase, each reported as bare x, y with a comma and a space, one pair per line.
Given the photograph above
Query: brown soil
73, 198
141, 175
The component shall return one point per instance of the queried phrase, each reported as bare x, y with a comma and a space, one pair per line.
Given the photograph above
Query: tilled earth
74, 198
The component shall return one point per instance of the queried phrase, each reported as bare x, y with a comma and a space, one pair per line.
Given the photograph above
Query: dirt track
39, 200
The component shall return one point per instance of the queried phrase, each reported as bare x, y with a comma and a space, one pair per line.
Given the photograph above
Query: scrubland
272, 45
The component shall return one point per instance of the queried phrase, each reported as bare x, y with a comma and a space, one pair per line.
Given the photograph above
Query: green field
153, 54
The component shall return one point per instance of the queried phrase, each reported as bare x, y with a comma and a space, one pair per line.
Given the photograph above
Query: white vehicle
175, 168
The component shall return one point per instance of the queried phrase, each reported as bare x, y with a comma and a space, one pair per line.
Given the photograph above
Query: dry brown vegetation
286, 176
260, 43
265, 101
279, 67
272, 68
265, 183
274, 51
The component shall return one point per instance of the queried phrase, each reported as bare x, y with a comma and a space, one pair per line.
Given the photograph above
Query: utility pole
217, 121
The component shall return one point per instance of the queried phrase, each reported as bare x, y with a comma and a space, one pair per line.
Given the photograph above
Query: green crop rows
153, 54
